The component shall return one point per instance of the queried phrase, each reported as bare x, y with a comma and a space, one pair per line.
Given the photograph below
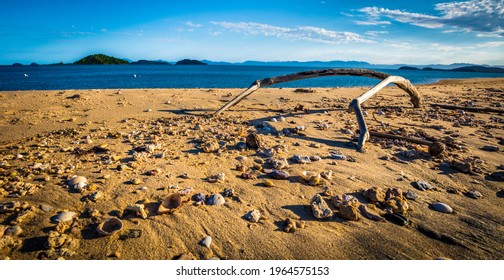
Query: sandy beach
139, 148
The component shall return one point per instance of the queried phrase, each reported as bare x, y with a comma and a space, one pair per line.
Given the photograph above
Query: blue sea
169, 76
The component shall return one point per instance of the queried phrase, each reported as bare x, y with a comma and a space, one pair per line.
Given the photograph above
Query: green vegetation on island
100, 59
150, 62
190, 62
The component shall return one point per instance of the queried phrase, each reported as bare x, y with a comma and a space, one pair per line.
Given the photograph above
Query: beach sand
137, 146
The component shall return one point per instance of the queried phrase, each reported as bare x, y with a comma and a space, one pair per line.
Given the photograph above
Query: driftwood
468, 109
354, 106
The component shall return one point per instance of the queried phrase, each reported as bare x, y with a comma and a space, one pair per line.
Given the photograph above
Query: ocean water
209, 76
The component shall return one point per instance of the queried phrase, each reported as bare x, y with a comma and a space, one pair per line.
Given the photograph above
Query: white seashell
64, 217
441, 207
207, 241
215, 199
76, 180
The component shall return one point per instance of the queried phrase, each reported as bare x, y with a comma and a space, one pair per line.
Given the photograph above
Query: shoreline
140, 146
442, 80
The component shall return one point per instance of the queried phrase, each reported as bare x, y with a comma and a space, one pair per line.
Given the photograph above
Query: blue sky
386, 32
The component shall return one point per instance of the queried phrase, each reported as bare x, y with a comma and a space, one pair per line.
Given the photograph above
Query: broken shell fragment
110, 226
137, 209
64, 217
312, 178
170, 205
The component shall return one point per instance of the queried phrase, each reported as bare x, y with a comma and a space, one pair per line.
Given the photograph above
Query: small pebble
442, 207
422, 185
215, 199
411, 195
474, 194
207, 241
253, 216
490, 148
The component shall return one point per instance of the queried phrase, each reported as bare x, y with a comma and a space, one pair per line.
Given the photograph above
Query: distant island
96, 59
100, 59
150, 62
474, 68
190, 62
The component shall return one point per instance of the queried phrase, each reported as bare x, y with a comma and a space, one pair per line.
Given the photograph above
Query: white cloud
371, 22
194, 25
482, 16
446, 48
491, 44
302, 33
376, 33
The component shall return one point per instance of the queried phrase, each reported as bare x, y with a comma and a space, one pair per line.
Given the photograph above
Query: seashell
312, 178
77, 180
254, 141
186, 191
216, 199
13, 231
64, 217
9, 206
2, 231
279, 164
320, 209
374, 194
474, 194
281, 119
136, 181
441, 207
278, 174
253, 216
315, 158
301, 159
269, 183
422, 185
138, 209
411, 195
207, 241
110, 226
300, 128
397, 219
369, 214
170, 205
